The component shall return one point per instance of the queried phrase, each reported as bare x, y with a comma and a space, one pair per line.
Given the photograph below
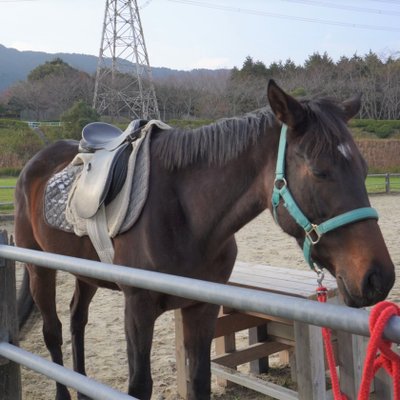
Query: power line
343, 7
286, 16
396, 2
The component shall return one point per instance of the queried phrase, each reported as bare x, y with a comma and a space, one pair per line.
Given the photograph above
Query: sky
188, 34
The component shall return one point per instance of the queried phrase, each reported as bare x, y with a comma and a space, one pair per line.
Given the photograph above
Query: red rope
326, 334
387, 358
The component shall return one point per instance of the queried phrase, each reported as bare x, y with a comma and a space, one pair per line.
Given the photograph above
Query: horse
205, 184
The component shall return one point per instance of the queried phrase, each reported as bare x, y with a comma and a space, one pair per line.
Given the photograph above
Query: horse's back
48, 160
32, 181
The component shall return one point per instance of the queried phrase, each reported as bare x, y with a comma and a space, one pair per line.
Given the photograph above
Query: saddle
104, 151
102, 192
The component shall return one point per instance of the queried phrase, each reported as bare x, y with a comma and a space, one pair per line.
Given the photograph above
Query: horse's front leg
79, 308
140, 315
198, 332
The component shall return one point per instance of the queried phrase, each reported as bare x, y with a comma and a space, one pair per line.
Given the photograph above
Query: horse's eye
321, 174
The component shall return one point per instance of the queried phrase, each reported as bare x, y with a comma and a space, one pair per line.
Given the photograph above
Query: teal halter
313, 232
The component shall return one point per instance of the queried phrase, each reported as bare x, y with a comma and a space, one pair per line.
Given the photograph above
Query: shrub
189, 123
380, 128
79, 115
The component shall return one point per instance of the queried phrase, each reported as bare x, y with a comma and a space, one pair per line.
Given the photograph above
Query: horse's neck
223, 199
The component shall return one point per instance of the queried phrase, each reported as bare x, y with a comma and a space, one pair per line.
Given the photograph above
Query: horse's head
324, 174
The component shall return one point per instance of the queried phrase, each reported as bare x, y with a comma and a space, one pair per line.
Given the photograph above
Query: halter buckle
313, 235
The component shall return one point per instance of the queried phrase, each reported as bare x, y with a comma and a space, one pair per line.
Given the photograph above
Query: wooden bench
297, 342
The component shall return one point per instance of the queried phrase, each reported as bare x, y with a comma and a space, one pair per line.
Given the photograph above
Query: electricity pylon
124, 85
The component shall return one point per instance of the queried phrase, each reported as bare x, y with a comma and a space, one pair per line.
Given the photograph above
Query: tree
50, 89
54, 67
246, 88
79, 115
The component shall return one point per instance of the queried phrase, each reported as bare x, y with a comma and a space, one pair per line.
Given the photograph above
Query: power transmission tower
124, 85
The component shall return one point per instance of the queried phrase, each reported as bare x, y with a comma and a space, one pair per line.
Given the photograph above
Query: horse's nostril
372, 287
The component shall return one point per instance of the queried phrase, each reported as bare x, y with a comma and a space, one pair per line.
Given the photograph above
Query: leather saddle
108, 149
103, 136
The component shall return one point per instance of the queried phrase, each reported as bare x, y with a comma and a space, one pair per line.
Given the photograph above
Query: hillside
15, 65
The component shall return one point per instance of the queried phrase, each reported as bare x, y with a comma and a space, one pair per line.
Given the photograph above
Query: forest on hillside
54, 87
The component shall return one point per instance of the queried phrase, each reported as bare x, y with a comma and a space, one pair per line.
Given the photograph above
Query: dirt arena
261, 241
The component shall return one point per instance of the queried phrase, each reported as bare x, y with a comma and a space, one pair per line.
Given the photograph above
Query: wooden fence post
10, 378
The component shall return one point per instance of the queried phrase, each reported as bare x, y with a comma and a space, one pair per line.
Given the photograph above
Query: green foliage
299, 92
74, 119
315, 60
17, 146
54, 67
189, 123
6, 172
381, 128
250, 68
53, 133
11, 124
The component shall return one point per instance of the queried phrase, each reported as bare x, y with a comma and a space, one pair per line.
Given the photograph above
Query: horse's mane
225, 139
216, 143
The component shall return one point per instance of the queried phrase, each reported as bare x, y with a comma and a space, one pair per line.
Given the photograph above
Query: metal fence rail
297, 309
70, 378
311, 312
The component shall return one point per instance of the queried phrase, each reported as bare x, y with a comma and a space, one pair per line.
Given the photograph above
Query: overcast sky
187, 34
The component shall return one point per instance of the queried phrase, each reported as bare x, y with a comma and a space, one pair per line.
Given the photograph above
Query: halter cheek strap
313, 232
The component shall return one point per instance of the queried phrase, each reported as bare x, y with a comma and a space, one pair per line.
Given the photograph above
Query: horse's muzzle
375, 287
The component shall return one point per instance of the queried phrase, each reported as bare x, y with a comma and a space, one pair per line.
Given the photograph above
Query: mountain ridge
15, 65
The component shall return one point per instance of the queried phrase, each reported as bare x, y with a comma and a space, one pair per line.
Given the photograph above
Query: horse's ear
352, 106
286, 108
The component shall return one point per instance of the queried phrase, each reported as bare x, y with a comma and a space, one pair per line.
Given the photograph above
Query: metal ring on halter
281, 181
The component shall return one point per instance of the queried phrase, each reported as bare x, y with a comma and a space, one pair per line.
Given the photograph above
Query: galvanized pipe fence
297, 309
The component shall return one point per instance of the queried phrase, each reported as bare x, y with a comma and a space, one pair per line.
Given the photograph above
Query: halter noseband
313, 232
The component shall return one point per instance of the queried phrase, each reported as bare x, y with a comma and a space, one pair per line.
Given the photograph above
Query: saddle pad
58, 191
56, 197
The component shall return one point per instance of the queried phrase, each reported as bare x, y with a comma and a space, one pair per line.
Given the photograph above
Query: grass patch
7, 195
377, 184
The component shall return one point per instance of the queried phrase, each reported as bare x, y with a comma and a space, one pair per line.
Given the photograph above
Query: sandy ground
260, 241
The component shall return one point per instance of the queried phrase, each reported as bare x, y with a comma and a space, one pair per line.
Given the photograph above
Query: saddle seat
100, 135
104, 150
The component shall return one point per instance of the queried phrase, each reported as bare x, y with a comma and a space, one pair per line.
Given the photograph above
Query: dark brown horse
205, 184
